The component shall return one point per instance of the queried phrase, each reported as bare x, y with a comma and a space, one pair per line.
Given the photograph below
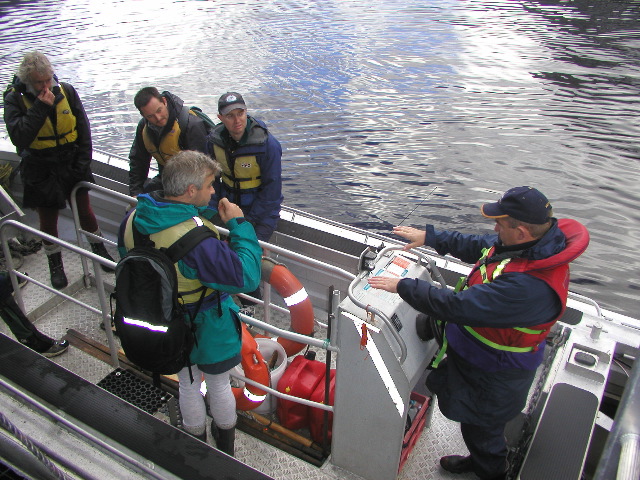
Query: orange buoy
255, 368
295, 297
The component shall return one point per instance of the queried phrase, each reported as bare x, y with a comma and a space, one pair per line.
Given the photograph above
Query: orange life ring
295, 297
255, 368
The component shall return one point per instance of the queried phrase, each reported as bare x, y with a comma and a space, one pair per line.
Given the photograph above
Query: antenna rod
421, 202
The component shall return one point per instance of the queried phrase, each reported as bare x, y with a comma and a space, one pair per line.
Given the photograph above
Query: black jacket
48, 175
193, 138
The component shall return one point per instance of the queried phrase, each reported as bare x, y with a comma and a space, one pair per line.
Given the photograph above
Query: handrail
629, 465
267, 247
82, 432
76, 217
434, 271
297, 337
385, 319
368, 308
577, 296
620, 458
97, 261
285, 396
9, 201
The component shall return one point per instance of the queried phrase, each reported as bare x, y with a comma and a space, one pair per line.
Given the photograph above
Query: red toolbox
423, 406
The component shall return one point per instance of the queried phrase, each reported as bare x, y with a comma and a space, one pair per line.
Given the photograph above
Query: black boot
225, 438
100, 249
58, 277
457, 463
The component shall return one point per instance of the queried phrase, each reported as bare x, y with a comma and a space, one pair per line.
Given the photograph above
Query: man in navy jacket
496, 320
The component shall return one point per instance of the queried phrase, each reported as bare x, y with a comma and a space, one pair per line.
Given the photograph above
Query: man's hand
385, 283
46, 96
416, 237
228, 210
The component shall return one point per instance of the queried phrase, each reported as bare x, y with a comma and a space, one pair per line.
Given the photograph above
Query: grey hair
185, 168
535, 230
33, 62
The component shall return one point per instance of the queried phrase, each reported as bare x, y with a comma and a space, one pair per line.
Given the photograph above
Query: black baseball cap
526, 204
230, 101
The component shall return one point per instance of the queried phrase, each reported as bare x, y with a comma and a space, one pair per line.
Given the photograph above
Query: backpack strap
183, 123
140, 239
209, 124
185, 244
188, 241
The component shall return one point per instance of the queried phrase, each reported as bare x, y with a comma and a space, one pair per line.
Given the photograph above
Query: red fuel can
300, 379
316, 415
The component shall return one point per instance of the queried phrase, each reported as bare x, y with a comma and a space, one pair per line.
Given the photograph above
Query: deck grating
134, 390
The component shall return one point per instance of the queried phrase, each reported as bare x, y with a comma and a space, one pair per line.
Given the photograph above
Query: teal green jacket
226, 267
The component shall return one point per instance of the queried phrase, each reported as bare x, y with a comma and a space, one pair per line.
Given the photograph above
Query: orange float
296, 299
255, 368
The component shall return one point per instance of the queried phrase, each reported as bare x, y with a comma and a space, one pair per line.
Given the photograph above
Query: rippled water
388, 111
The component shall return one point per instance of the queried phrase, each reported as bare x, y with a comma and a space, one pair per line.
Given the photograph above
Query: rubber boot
58, 277
100, 249
225, 438
202, 437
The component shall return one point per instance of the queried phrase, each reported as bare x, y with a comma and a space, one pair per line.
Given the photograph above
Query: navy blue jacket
511, 300
477, 384
261, 206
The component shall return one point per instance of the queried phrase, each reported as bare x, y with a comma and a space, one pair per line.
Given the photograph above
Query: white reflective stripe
381, 367
198, 221
252, 396
296, 298
147, 325
354, 318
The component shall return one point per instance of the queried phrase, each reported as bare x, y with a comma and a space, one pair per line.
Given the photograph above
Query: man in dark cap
251, 164
496, 320
250, 157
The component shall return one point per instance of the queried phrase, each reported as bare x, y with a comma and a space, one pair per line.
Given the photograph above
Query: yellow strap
461, 285
529, 330
441, 352
495, 345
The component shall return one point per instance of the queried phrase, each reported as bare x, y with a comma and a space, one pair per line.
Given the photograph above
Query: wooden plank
103, 353
257, 426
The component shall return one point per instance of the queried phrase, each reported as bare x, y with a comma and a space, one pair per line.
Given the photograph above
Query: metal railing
620, 458
326, 344
14, 274
5, 199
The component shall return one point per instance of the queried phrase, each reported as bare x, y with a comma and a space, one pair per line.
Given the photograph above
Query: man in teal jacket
223, 268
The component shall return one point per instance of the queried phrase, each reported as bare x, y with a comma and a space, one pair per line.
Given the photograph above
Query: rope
20, 248
5, 175
11, 428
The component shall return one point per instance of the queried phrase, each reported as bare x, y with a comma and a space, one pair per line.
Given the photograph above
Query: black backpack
149, 312
183, 122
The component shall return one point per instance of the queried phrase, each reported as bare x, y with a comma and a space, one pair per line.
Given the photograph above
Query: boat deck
611, 341
442, 437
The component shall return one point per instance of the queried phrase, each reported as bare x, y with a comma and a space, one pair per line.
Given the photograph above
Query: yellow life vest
246, 171
190, 289
169, 143
65, 130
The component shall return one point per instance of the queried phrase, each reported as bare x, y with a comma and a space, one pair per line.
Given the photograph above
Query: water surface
388, 111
